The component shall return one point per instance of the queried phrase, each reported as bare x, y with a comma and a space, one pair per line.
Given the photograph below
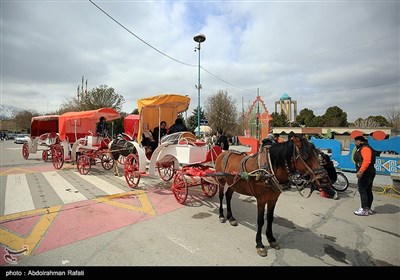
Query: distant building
288, 106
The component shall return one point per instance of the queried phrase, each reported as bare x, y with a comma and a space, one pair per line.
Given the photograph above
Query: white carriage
178, 153
44, 134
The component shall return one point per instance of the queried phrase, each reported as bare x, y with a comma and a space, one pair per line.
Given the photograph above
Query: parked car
21, 138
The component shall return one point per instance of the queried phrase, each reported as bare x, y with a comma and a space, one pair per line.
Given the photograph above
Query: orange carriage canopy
81, 123
44, 124
163, 107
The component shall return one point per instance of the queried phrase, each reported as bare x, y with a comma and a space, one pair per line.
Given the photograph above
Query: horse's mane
281, 153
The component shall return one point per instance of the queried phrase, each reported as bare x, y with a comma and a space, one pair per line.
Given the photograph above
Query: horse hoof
233, 223
262, 252
275, 245
222, 220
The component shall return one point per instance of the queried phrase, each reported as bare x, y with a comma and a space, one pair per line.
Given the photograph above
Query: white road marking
18, 195
100, 183
67, 192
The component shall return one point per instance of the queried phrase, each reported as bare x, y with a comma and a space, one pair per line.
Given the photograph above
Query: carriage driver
102, 127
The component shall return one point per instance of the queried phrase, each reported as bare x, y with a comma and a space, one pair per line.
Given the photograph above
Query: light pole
199, 38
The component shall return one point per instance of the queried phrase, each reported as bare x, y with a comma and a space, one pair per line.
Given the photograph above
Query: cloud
322, 54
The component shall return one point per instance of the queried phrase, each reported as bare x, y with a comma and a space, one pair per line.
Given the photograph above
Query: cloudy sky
321, 53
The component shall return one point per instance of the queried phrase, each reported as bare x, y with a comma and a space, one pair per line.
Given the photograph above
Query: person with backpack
364, 159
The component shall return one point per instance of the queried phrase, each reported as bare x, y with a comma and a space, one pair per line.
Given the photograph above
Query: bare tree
221, 113
393, 116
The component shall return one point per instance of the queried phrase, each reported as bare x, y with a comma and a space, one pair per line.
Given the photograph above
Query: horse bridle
316, 174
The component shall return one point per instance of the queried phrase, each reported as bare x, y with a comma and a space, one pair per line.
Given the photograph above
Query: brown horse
261, 175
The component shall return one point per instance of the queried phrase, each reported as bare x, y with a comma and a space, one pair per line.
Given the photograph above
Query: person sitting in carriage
102, 127
148, 141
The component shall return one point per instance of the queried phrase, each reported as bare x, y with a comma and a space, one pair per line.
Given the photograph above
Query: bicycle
341, 184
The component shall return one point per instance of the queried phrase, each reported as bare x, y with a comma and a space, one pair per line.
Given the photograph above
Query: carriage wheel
45, 155
131, 170
84, 164
166, 170
180, 188
121, 160
57, 156
107, 162
209, 189
25, 151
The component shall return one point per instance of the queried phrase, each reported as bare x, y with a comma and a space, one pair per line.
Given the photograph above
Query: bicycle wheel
342, 183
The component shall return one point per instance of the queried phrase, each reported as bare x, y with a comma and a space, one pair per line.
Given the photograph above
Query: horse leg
116, 170
221, 198
260, 223
229, 216
270, 218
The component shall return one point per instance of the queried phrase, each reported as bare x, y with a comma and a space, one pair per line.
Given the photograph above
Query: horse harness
264, 172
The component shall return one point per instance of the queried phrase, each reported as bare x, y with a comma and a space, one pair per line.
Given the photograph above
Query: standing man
364, 159
222, 140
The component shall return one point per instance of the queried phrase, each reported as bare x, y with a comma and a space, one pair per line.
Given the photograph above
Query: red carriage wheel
131, 170
25, 151
179, 187
166, 170
57, 156
107, 161
84, 164
209, 189
45, 155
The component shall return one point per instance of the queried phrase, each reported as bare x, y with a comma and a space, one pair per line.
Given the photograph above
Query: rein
314, 178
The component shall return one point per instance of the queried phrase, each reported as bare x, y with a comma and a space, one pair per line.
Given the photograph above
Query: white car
21, 138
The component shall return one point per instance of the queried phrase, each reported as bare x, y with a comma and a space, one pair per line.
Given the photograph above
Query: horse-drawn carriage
44, 134
79, 144
179, 155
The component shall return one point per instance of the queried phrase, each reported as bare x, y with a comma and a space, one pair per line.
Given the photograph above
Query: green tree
335, 117
220, 110
305, 117
191, 122
279, 119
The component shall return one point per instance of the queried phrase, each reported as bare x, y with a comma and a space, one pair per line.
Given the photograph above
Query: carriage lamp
199, 38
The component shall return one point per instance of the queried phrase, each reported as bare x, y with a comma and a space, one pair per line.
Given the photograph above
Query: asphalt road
313, 231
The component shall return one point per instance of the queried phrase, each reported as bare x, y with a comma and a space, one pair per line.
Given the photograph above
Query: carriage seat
212, 154
101, 142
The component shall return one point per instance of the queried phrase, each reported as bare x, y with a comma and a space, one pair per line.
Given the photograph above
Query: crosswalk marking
101, 184
67, 192
18, 196
35, 190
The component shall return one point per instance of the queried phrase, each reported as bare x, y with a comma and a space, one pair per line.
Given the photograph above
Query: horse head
306, 160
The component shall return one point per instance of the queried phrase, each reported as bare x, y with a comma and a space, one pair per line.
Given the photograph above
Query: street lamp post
199, 38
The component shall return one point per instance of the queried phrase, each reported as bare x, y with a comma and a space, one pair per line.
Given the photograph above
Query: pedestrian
278, 139
177, 126
222, 140
364, 159
102, 127
159, 132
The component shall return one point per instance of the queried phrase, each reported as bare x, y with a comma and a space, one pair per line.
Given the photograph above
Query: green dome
285, 96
